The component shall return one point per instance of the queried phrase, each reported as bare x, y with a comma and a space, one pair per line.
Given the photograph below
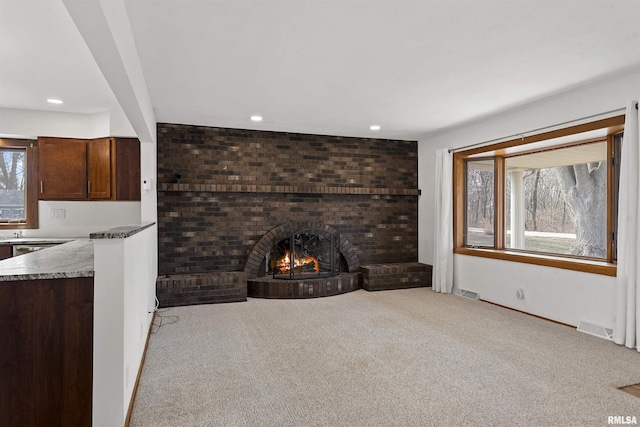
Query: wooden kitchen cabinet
63, 168
96, 169
6, 251
46, 374
99, 168
126, 177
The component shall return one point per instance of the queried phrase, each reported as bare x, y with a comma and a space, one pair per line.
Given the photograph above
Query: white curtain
627, 317
443, 240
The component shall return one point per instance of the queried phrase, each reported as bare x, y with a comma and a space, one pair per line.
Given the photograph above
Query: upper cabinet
126, 183
97, 169
63, 168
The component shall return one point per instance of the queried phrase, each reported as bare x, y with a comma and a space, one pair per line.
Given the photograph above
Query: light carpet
409, 357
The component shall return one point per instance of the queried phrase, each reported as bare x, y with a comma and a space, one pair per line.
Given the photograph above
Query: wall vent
595, 330
468, 294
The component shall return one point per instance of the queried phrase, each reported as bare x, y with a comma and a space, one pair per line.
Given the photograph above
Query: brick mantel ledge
286, 189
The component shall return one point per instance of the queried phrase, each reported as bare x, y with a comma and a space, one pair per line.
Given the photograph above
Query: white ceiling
325, 67
42, 55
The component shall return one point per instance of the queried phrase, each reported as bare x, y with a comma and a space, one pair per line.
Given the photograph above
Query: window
18, 190
560, 197
547, 199
480, 207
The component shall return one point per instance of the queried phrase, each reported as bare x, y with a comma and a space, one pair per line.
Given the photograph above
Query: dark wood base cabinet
6, 251
46, 352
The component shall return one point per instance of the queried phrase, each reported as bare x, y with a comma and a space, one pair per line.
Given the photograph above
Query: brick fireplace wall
236, 185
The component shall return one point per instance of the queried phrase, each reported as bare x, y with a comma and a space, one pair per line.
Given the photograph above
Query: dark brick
378, 277
208, 288
366, 189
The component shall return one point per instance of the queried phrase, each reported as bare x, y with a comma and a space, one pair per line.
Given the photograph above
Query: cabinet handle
41, 187
88, 186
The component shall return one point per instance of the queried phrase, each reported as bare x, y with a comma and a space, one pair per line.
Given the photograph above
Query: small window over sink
18, 190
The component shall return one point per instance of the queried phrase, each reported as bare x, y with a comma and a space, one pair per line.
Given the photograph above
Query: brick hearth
185, 289
266, 287
380, 277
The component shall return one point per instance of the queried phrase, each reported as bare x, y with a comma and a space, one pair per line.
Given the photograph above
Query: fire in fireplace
307, 253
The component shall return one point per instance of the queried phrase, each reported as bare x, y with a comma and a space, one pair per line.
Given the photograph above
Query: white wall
148, 174
82, 218
124, 301
561, 295
139, 303
33, 123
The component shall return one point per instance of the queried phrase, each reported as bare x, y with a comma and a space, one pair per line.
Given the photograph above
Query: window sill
576, 264
15, 225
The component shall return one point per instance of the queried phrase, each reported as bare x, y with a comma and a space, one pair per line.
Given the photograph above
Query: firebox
305, 254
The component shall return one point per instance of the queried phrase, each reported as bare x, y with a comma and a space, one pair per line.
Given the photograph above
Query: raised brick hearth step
379, 277
267, 287
201, 288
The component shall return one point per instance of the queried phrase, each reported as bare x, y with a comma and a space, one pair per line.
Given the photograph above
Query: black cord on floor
161, 320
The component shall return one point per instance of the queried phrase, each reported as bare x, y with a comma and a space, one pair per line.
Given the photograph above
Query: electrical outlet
57, 213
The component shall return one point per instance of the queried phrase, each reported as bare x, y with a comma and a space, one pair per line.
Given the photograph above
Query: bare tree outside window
584, 187
12, 184
564, 203
480, 205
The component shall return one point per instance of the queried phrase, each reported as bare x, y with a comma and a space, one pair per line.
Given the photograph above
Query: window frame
31, 198
499, 152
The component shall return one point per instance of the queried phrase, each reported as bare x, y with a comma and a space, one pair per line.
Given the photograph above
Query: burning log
300, 265
309, 267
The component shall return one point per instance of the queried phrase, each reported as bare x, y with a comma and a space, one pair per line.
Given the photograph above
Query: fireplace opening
322, 261
305, 254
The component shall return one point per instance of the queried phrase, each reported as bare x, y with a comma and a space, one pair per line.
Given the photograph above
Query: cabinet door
63, 169
99, 168
6, 251
127, 169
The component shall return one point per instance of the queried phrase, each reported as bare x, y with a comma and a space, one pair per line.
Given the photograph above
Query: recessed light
54, 101
374, 127
256, 118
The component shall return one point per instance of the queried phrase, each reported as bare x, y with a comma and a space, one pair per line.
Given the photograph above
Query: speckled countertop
68, 260
121, 232
36, 240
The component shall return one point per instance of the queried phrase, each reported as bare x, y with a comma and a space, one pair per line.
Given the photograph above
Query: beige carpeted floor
392, 358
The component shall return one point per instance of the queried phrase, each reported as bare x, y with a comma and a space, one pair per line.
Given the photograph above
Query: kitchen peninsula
53, 306
68, 260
